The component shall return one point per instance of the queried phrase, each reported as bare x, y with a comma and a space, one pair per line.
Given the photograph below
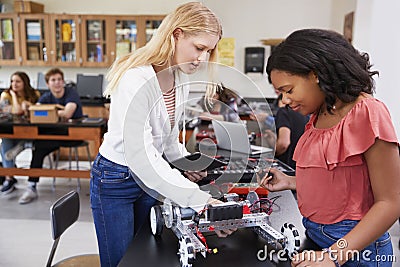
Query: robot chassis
188, 226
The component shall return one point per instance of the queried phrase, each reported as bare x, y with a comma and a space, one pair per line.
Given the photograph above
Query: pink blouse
331, 173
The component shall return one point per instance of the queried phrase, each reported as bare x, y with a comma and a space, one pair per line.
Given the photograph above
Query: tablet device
197, 162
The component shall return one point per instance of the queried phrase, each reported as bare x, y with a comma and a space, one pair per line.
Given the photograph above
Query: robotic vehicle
188, 225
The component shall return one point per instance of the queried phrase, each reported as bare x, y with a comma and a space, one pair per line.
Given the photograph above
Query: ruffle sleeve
344, 143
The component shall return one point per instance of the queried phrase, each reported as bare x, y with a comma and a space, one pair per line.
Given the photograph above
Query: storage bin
28, 7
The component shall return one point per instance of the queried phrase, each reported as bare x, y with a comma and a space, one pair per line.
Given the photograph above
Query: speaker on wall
254, 59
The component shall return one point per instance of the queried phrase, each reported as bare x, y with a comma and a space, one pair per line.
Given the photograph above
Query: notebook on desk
234, 137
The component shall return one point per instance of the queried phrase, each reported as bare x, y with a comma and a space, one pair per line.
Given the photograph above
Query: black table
239, 249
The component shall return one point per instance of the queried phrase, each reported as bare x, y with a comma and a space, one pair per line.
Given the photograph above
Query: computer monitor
89, 86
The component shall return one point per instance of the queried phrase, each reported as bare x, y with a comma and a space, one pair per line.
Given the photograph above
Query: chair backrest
64, 212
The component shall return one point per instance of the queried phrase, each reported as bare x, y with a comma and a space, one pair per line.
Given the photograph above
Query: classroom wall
374, 24
246, 21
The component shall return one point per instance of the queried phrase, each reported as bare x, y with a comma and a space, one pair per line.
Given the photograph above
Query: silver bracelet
331, 256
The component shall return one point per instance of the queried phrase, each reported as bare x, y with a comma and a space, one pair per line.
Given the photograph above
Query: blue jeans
377, 254
7, 144
119, 208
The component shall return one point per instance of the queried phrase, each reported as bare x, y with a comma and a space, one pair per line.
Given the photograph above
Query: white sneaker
13, 152
29, 195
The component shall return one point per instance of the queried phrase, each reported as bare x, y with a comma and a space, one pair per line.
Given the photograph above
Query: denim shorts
119, 206
377, 254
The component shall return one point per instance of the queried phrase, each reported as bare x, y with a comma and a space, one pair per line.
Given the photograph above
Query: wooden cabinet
151, 24
35, 39
123, 32
9, 40
40, 40
97, 111
119, 35
68, 40
95, 41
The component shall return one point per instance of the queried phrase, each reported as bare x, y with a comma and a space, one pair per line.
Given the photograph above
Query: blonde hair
192, 18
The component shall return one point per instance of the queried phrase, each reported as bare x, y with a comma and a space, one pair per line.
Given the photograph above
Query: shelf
72, 40
67, 42
95, 41
271, 42
34, 41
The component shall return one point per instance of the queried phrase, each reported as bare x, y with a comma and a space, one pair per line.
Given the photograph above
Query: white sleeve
147, 162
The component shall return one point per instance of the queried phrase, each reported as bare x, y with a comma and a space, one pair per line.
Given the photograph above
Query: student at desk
289, 128
223, 105
18, 98
58, 94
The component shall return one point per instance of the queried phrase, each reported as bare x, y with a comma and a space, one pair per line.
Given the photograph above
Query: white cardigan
139, 135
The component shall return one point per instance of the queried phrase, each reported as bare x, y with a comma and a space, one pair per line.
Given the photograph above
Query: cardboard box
44, 113
28, 7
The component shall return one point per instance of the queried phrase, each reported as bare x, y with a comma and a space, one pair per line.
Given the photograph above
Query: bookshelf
66, 45
95, 36
35, 40
72, 40
9, 39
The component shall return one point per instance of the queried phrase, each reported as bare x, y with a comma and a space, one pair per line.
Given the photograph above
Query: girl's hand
195, 176
13, 93
221, 233
277, 181
258, 116
312, 259
25, 105
208, 116
270, 137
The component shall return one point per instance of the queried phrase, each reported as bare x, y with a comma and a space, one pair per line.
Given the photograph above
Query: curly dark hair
343, 72
226, 95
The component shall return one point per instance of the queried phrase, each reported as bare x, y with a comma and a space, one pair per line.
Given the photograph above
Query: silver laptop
234, 137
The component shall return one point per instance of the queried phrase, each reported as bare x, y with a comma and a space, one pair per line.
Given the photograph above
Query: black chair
64, 213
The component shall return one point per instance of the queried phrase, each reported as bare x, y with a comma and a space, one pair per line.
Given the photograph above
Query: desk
22, 129
239, 249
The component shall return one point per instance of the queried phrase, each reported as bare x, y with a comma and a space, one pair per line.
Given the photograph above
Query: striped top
169, 99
